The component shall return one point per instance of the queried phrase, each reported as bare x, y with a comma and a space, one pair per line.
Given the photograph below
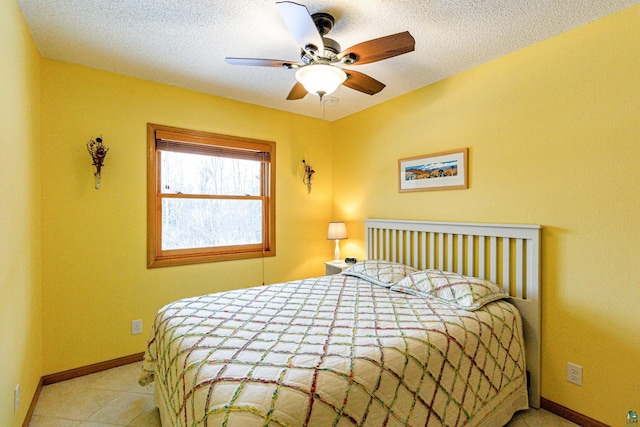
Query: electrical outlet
16, 398
136, 327
574, 373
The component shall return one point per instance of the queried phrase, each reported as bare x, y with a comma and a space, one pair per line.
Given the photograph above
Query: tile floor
106, 398
114, 398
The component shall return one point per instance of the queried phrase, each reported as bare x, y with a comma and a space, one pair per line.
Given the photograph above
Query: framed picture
440, 171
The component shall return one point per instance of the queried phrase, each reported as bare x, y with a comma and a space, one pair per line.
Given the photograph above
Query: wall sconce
306, 177
337, 231
98, 152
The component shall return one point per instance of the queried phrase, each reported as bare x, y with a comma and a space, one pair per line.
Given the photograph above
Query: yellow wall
95, 278
554, 139
20, 284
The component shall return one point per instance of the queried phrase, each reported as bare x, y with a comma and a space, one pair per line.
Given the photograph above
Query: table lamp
337, 231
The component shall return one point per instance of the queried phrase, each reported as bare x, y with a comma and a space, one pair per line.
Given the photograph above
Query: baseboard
32, 407
569, 414
91, 369
77, 372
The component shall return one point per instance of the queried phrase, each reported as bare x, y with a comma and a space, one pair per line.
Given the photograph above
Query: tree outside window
210, 197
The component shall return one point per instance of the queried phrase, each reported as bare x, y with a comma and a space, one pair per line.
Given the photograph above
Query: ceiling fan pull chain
324, 106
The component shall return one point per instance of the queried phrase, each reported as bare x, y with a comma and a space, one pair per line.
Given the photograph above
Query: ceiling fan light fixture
320, 79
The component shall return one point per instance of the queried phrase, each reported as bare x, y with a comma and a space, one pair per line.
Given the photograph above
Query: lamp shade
320, 79
337, 231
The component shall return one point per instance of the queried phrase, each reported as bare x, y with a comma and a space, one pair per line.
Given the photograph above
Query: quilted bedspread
333, 351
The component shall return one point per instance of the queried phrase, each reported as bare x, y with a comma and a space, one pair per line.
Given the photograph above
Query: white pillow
468, 293
379, 272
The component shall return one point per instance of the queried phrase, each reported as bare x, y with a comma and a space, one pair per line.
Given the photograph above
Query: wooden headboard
506, 254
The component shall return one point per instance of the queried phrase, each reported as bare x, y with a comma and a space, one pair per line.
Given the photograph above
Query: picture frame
447, 170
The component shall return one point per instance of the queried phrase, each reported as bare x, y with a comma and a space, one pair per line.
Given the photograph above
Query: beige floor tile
84, 381
542, 418
149, 418
41, 421
71, 403
124, 378
538, 418
92, 424
124, 409
517, 421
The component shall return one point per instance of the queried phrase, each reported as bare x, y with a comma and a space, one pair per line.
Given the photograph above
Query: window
209, 197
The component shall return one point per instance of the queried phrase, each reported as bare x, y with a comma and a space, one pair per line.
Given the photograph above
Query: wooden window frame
194, 141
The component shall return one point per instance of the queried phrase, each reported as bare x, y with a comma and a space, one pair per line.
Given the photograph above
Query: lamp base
336, 252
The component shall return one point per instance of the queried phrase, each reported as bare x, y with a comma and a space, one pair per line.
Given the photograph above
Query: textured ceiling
184, 42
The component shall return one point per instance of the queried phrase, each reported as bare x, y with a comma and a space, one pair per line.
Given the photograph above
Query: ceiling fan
318, 71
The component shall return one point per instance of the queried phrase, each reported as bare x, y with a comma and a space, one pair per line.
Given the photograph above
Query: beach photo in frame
447, 170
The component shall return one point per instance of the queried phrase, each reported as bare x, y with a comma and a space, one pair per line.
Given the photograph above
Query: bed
424, 332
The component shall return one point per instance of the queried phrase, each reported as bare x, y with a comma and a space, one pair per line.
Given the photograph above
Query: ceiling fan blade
301, 26
379, 49
297, 92
254, 62
362, 83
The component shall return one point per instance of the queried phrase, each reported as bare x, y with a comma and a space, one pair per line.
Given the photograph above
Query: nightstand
335, 267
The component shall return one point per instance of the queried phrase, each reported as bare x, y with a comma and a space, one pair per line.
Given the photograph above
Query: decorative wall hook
98, 152
306, 177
